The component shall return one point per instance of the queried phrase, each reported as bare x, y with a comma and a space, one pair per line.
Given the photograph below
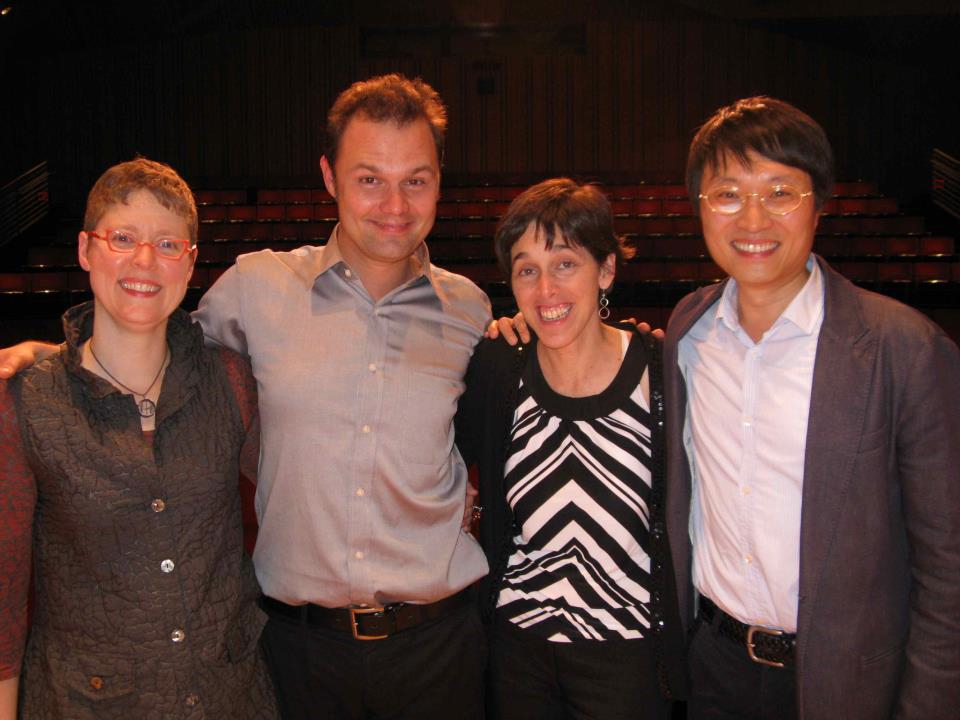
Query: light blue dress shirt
745, 437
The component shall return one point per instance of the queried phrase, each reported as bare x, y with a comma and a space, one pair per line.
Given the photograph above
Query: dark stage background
239, 90
234, 93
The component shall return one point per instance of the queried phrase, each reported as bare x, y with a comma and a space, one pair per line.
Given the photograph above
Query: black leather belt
368, 623
763, 645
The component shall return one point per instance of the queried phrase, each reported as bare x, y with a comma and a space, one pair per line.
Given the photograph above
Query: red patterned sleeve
244, 387
18, 496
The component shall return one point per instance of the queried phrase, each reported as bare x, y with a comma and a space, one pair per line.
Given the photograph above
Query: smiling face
558, 290
386, 182
136, 291
763, 252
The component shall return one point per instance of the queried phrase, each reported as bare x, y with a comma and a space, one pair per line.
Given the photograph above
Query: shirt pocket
99, 683
879, 679
426, 417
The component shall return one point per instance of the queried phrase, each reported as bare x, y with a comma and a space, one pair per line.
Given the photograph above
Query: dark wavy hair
578, 213
384, 98
769, 127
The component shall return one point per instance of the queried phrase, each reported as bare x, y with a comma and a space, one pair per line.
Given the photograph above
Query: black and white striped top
578, 480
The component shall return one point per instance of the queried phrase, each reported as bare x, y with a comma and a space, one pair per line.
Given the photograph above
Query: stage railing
946, 182
24, 201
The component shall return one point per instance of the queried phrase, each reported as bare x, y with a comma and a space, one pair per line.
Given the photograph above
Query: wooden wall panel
252, 105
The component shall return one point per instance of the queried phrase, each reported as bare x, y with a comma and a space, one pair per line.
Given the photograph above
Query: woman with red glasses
119, 476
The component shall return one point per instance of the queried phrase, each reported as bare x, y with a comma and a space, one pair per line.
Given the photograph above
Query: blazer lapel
838, 401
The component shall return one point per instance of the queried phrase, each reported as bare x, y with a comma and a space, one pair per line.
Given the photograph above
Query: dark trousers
535, 679
433, 671
725, 684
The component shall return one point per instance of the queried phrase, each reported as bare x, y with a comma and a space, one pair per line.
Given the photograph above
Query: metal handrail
946, 182
24, 201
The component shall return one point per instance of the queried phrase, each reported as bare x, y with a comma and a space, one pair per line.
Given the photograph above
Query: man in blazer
814, 468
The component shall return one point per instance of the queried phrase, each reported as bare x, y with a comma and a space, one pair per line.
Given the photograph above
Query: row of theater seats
486, 193
311, 231
479, 249
472, 212
479, 203
694, 268
861, 232
941, 266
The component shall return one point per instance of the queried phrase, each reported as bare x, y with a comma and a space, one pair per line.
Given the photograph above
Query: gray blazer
878, 628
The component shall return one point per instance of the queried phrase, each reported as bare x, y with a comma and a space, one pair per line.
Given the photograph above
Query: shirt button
361, 492
372, 367
191, 700
158, 505
366, 428
177, 636
744, 491
358, 555
747, 422
748, 559
348, 272
167, 565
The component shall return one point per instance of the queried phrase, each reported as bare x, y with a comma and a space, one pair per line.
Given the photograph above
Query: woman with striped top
567, 433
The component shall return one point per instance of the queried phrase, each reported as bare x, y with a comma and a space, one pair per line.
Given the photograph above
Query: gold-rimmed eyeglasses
777, 199
124, 241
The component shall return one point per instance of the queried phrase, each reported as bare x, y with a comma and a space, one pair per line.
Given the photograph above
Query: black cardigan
483, 421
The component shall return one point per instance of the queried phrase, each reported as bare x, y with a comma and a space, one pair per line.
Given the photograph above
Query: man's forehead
727, 163
389, 140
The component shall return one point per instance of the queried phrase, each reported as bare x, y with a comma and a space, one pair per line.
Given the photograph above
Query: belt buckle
751, 647
354, 623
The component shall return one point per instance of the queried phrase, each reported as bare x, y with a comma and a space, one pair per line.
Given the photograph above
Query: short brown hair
578, 213
392, 97
769, 127
162, 181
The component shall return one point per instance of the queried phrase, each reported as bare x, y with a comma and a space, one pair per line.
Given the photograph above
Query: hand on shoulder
512, 330
19, 357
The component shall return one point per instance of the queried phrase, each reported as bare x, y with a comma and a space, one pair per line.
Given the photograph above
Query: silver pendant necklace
145, 406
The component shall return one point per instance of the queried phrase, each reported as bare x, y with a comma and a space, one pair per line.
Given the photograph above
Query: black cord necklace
145, 406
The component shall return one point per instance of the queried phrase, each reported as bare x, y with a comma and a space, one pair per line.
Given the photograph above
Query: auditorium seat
862, 233
212, 213
267, 196
299, 213
270, 213
220, 197
241, 213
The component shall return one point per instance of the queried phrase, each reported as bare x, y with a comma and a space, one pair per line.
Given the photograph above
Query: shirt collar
804, 311
329, 256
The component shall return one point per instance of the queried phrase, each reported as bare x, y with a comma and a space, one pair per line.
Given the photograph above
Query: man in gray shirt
359, 350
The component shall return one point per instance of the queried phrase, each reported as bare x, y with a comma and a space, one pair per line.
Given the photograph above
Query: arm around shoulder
244, 386
467, 421
220, 312
19, 357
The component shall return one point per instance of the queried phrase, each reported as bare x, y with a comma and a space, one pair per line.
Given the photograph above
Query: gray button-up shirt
361, 488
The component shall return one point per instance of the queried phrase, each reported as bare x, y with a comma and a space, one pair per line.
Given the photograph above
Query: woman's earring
604, 311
